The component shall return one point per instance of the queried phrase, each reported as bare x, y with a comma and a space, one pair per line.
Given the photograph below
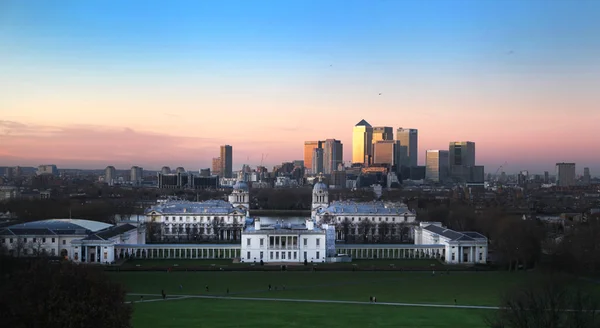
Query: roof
282, 228
455, 235
57, 227
356, 208
111, 232
216, 206
363, 123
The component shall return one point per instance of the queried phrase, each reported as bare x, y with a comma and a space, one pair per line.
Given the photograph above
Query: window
289, 255
271, 256
305, 241
248, 242
248, 255
10, 240
43, 240
277, 255
262, 241
261, 255
106, 255
305, 255
53, 239
318, 242
34, 240
283, 255
64, 242
452, 256
295, 255
480, 256
24, 240
318, 255
393, 219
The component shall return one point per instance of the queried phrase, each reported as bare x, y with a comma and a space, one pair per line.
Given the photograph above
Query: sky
86, 84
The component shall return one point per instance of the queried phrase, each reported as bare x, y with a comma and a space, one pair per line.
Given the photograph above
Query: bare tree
19, 246
364, 228
37, 246
215, 225
551, 301
346, 226
384, 230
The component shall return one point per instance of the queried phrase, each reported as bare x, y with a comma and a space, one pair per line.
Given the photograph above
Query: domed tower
320, 196
240, 195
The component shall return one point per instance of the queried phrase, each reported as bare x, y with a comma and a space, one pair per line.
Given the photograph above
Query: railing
277, 247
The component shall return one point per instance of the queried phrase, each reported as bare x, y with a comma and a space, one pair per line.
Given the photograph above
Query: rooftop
363, 123
455, 235
216, 206
111, 232
56, 227
381, 208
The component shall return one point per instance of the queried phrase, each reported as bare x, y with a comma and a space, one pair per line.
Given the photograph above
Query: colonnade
391, 252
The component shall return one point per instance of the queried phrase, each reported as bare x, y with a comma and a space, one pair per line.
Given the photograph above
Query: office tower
385, 152
462, 153
436, 165
317, 161
309, 147
565, 174
546, 177
410, 139
362, 140
226, 161
381, 133
333, 154
110, 175
586, 176
136, 175
216, 166
47, 169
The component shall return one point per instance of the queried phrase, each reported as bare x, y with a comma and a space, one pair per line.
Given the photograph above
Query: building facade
110, 175
226, 169
309, 148
333, 155
410, 139
458, 247
436, 163
286, 243
362, 140
565, 174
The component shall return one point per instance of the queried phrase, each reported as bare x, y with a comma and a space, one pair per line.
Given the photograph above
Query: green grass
468, 288
232, 313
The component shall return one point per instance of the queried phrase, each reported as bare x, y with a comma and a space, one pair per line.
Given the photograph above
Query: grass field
468, 288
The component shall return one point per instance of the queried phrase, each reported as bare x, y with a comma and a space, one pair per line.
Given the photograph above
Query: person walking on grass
206, 288
164, 296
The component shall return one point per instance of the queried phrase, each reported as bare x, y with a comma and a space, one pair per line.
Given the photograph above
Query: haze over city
90, 84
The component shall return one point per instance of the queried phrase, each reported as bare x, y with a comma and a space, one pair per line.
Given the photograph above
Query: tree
383, 229
215, 225
364, 228
346, 226
40, 293
20, 246
550, 301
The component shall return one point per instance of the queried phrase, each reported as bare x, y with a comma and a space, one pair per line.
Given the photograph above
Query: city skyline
169, 85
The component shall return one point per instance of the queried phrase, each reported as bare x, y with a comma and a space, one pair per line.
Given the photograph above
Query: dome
319, 186
240, 185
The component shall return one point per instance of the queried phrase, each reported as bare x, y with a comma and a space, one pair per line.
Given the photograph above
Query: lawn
468, 288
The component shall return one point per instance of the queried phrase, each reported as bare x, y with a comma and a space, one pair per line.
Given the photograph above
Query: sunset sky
85, 84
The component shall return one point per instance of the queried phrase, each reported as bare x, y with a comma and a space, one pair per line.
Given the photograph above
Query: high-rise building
546, 177
216, 166
333, 154
110, 175
309, 147
362, 140
47, 169
565, 174
462, 153
226, 161
165, 170
317, 161
136, 175
586, 175
381, 133
385, 152
410, 139
436, 165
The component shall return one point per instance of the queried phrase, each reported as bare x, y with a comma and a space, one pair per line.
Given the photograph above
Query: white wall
311, 248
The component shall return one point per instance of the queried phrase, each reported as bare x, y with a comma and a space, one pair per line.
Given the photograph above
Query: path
265, 299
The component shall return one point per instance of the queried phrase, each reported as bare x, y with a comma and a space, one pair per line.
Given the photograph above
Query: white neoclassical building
77, 240
458, 247
208, 219
396, 216
286, 242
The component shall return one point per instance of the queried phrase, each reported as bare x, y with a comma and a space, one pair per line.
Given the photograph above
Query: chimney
257, 224
310, 225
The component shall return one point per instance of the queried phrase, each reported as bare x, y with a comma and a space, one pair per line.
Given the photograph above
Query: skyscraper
110, 175
136, 175
381, 133
362, 140
436, 163
385, 152
565, 174
226, 161
333, 154
586, 176
317, 161
216, 166
410, 139
462, 153
309, 147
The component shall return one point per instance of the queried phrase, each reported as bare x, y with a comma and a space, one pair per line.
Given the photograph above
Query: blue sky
452, 69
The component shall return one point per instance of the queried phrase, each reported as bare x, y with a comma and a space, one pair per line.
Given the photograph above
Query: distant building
216, 166
436, 163
410, 139
47, 169
136, 175
187, 180
381, 133
205, 172
226, 161
565, 174
586, 176
459, 247
333, 155
309, 148
462, 160
362, 140
386, 152
317, 161
110, 175
165, 170
180, 170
